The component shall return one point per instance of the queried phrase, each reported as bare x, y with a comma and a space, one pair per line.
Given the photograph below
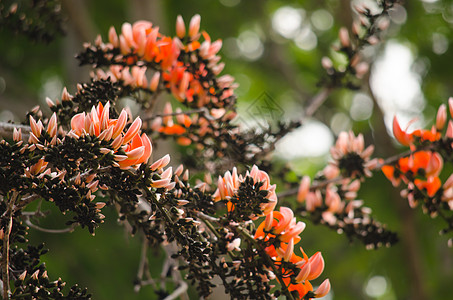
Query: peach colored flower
229, 184
350, 155
37, 168
280, 224
137, 147
141, 43
323, 289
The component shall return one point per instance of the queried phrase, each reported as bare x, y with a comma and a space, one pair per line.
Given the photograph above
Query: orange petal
323, 289
402, 137
133, 130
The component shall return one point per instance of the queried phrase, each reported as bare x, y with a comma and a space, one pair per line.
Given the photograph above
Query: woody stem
6, 243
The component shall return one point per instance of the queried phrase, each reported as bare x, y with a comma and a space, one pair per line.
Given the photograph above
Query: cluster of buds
141, 57
229, 185
356, 64
366, 30
420, 170
134, 76
37, 130
280, 232
350, 157
136, 148
165, 176
276, 236
332, 198
130, 148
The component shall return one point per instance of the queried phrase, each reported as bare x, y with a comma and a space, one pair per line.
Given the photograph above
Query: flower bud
180, 27
441, 117
323, 289
194, 25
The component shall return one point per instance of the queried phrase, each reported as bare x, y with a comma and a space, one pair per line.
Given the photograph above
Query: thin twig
64, 230
143, 265
25, 201
176, 274
182, 290
152, 102
163, 274
316, 102
204, 216
143, 268
210, 226
6, 237
179, 291
5, 256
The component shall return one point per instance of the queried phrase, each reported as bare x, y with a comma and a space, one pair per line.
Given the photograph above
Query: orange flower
137, 151
425, 163
229, 184
301, 288
421, 170
137, 147
282, 226
350, 156
431, 185
389, 172
432, 135
143, 42
167, 126
401, 136
37, 168
427, 135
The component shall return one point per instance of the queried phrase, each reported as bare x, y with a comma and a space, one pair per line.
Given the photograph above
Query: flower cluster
366, 29
229, 185
87, 148
277, 234
141, 59
182, 65
332, 198
191, 127
420, 170
136, 148
280, 232
350, 157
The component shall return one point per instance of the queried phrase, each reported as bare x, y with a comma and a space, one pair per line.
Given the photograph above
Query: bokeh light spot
311, 140
321, 19
287, 21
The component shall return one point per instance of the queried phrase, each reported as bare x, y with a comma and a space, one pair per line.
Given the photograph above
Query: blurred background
273, 49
